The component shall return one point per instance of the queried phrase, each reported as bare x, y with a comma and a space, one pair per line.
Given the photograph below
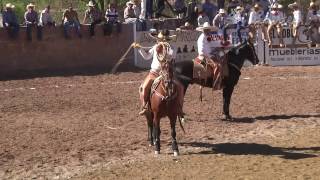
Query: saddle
213, 69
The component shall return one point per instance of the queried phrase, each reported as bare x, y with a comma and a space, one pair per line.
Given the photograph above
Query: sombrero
205, 26
129, 2
312, 5
9, 5
239, 8
257, 6
30, 5
276, 6
162, 36
222, 11
90, 4
295, 4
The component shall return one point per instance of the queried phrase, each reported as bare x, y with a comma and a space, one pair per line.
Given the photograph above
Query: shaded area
255, 149
273, 117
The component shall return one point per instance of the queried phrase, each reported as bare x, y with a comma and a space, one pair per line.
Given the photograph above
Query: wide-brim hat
312, 5
9, 5
239, 8
162, 36
222, 11
295, 4
207, 26
91, 4
276, 6
30, 5
129, 2
257, 6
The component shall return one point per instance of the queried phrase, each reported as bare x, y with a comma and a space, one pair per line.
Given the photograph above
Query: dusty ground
86, 127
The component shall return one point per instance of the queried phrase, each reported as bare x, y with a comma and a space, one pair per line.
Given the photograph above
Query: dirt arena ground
87, 127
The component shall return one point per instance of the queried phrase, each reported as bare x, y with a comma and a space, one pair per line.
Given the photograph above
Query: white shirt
297, 17
275, 17
203, 46
152, 53
238, 17
255, 16
45, 18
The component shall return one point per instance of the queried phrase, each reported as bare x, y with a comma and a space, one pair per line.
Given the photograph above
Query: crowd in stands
239, 14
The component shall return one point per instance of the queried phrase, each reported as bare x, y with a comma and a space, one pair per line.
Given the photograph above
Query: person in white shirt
275, 19
240, 20
313, 18
46, 18
256, 21
297, 20
154, 54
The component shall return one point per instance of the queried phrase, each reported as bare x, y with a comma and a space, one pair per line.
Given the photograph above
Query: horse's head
246, 51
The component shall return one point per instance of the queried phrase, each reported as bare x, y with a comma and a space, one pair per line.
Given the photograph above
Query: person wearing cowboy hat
70, 19
297, 20
32, 21
233, 4
202, 17
220, 19
313, 18
129, 14
46, 18
255, 19
10, 21
112, 18
275, 19
240, 21
152, 53
204, 40
92, 16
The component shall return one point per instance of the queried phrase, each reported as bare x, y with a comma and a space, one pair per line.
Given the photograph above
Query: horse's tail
180, 123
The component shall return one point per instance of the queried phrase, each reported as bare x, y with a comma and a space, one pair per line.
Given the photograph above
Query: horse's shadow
272, 117
291, 153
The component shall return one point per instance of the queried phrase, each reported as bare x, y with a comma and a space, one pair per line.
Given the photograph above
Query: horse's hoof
183, 120
156, 152
175, 153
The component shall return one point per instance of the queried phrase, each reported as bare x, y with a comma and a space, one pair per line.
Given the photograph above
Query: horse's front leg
156, 133
227, 93
175, 148
149, 117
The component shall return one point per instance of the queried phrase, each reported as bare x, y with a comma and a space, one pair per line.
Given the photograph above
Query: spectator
129, 15
220, 19
70, 19
313, 19
256, 19
221, 4
187, 26
93, 16
275, 18
202, 18
297, 20
233, 4
46, 18
210, 9
10, 21
240, 20
31, 20
111, 20
149, 9
192, 13
264, 4
180, 8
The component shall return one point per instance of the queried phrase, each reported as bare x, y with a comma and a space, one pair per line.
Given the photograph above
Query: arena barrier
186, 45
55, 54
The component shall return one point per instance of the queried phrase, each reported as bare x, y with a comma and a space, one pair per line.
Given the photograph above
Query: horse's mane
235, 50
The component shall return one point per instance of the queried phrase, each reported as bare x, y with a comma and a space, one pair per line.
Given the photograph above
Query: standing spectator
255, 21
46, 18
233, 4
180, 8
70, 19
220, 19
93, 16
192, 13
297, 20
111, 20
129, 15
31, 20
210, 9
240, 20
202, 18
10, 21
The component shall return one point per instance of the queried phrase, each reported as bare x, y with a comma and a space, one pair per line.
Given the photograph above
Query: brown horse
165, 100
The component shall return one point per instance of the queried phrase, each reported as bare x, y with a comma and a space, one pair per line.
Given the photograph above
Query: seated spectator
313, 18
264, 4
240, 21
46, 18
137, 8
10, 21
70, 19
256, 21
92, 16
210, 9
220, 19
129, 15
111, 20
275, 19
202, 18
31, 20
180, 8
192, 13
297, 20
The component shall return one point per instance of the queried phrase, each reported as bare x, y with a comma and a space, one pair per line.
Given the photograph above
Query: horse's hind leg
156, 133
149, 117
175, 149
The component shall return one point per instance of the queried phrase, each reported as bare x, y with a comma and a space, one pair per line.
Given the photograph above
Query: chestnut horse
164, 101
